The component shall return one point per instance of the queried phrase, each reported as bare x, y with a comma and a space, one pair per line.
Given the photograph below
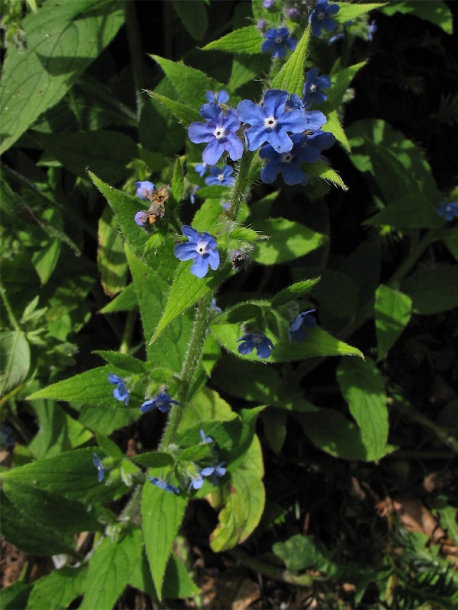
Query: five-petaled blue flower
448, 210
321, 17
219, 97
98, 464
201, 247
162, 402
298, 326
271, 122
289, 163
214, 471
144, 189
201, 169
120, 392
220, 177
219, 131
313, 88
259, 341
278, 41
164, 485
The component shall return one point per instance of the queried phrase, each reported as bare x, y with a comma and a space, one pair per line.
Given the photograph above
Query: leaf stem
242, 184
14, 323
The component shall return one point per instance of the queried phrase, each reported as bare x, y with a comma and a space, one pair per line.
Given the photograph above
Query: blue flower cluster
448, 210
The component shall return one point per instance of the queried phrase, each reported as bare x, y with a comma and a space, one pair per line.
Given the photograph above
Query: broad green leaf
349, 10
154, 459
393, 310
58, 589
123, 361
245, 68
15, 596
243, 499
433, 290
15, 359
186, 290
71, 474
106, 421
193, 16
318, 343
287, 240
51, 510
274, 425
448, 522
300, 552
125, 301
109, 446
412, 211
177, 180
45, 259
341, 80
450, 239
291, 76
246, 40
110, 255
206, 406
21, 530
62, 41
58, 431
334, 126
162, 514
152, 291
435, 11
363, 388
110, 569
184, 114
296, 291
106, 153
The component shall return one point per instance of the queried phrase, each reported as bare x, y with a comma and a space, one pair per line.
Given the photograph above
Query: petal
206, 472
294, 121
280, 141
274, 102
329, 24
311, 76
199, 268
234, 147
300, 334
200, 132
270, 172
263, 350
211, 112
185, 252
332, 9
213, 259
292, 173
256, 136
231, 121
321, 140
246, 348
112, 378
315, 119
279, 51
214, 150
324, 82
316, 27
222, 96
250, 113
291, 43
190, 233
147, 405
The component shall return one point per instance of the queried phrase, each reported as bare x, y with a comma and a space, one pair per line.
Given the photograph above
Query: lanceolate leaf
193, 15
244, 41
184, 114
349, 11
294, 292
291, 76
393, 310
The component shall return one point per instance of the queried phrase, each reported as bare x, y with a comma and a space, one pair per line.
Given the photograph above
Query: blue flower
298, 326
7, 436
120, 392
220, 177
313, 88
201, 168
141, 218
162, 402
144, 189
321, 17
448, 210
259, 341
192, 196
164, 485
268, 4
293, 13
289, 163
206, 439
197, 483
271, 122
202, 247
219, 97
336, 37
371, 31
214, 307
216, 471
261, 25
277, 41
219, 131
98, 464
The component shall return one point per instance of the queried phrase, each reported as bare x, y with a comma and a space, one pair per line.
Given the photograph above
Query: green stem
14, 323
132, 508
124, 348
242, 184
136, 54
190, 364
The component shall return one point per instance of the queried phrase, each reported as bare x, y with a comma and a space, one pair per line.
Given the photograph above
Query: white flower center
219, 132
220, 177
320, 16
287, 157
202, 247
270, 122
258, 339
278, 39
312, 88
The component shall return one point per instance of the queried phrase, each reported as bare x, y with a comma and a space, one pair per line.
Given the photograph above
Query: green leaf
162, 514
15, 359
336, 293
363, 388
412, 211
49, 509
177, 180
193, 16
334, 126
184, 114
319, 169
110, 448
110, 569
300, 552
288, 241
274, 425
62, 41
243, 501
318, 343
393, 310
110, 255
294, 292
435, 11
450, 239
349, 11
45, 259
106, 421
341, 80
58, 589
245, 68
15, 596
433, 290
123, 361
291, 76
186, 290
125, 301
154, 459
246, 40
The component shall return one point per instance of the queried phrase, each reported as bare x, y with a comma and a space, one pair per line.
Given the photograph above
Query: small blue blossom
120, 392
201, 169
192, 195
197, 482
214, 307
141, 218
271, 122
219, 131
163, 402
7, 437
220, 177
98, 464
144, 189
206, 439
261, 25
201, 247
289, 163
268, 4
313, 88
371, 31
293, 13
214, 471
321, 17
448, 210
298, 326
259, 341
164, 485
277, 41
220, 97
336, 37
